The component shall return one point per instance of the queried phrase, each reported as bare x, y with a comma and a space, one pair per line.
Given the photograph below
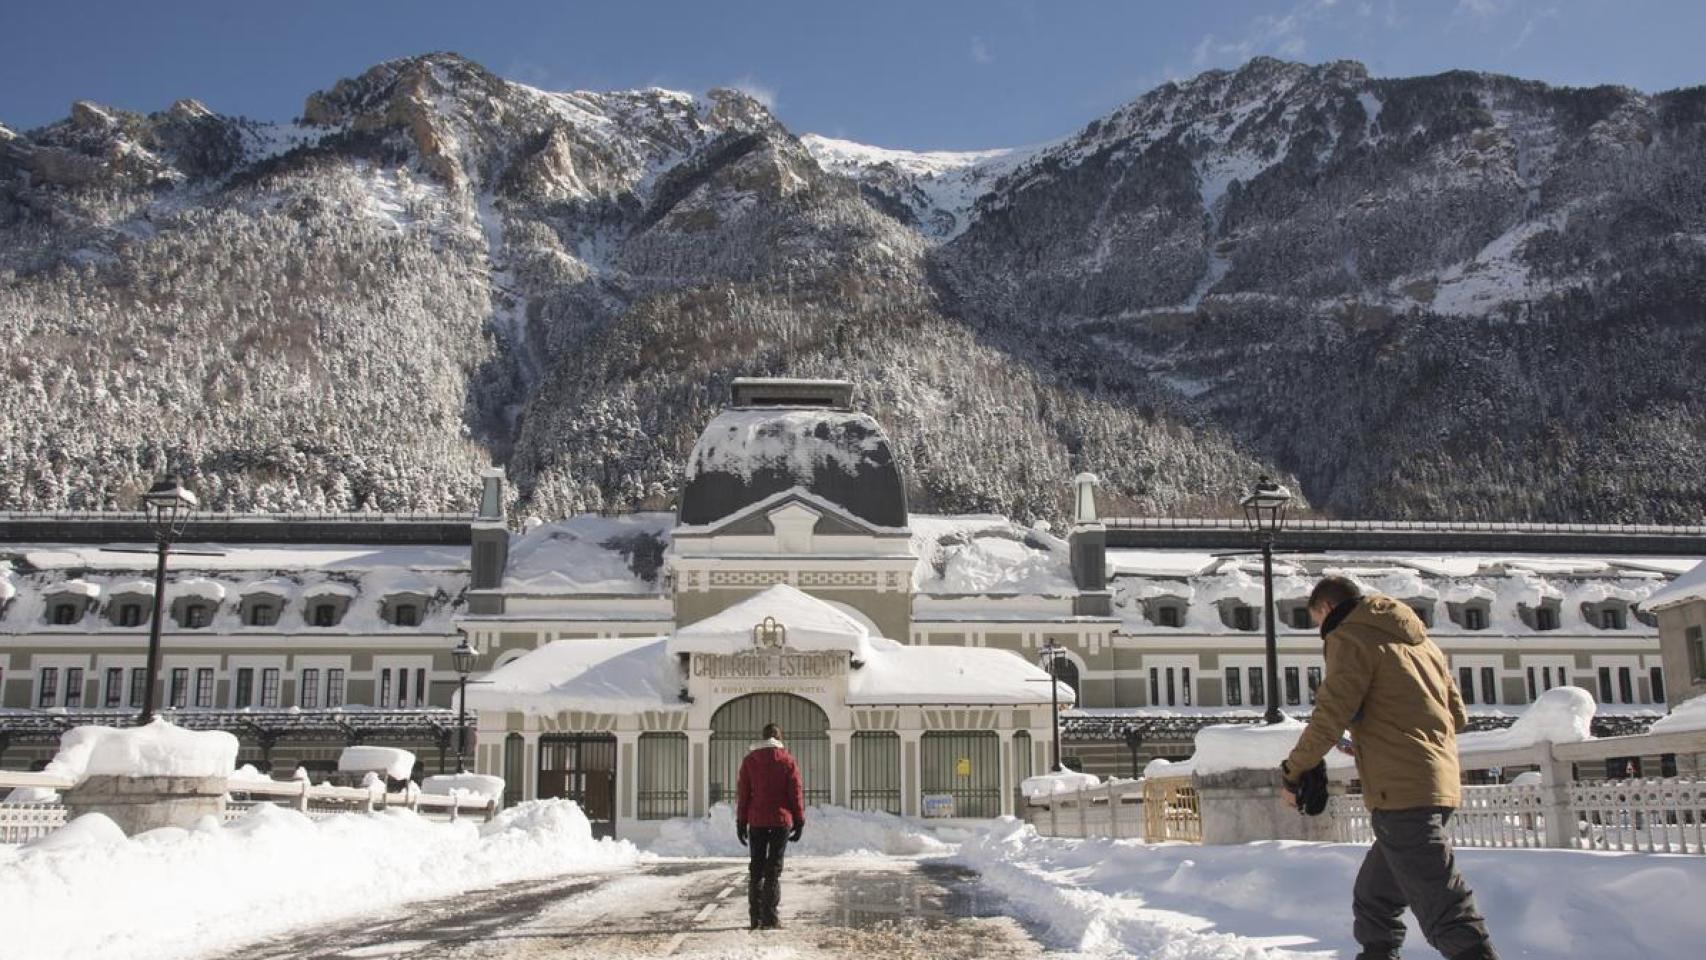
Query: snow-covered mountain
1461, 295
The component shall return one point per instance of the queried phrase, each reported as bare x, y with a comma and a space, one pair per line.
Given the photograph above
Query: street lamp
462, 658
1264, 512
1049, 656
168, 505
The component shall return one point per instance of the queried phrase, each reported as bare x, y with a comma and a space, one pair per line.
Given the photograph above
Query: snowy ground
866, 886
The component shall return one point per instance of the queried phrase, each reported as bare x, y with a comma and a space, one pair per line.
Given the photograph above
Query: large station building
627, 661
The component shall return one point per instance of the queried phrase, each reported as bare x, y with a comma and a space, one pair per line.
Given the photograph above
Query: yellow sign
962, 767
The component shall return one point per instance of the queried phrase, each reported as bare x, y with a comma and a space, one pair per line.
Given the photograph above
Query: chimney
1089, 547
490, 544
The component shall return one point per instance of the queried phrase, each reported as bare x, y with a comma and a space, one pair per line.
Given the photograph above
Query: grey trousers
1411, 865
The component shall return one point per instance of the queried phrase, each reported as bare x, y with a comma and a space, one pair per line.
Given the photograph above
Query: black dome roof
749, 453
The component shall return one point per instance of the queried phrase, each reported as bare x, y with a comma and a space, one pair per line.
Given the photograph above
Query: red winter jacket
769, 788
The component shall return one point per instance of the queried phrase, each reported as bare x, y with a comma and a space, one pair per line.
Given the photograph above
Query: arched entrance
739, 724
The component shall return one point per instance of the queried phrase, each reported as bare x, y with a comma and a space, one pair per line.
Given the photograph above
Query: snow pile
793, 443
157, 750
1248, 746
830, 831
394, 762
590, 554
1063, 781
985, 553
813, 625
616, 675
477, 784
1284, 899
86, 891
248, 774
1560, 715
1689, 715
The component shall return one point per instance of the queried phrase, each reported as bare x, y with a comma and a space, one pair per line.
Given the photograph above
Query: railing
23, 822
1652, 816
1114, 810
1427, 526
231, 516
1489, 816
1170, 810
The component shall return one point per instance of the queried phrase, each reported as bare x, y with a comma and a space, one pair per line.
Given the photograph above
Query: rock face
1453, 296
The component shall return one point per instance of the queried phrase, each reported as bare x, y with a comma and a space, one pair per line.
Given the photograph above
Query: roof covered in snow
811, 624
746, 454
988, 554
1690, 586
590, 554
622, 675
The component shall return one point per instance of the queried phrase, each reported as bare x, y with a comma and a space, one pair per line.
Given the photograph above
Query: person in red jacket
770, 812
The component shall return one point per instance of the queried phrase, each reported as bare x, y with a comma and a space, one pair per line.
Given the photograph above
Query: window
1466, 684
1625, 685
66, 613
1234, 689
130, 614
1657, 675
73, 686
421, 689
47, 686
244, 695
1185, 684
1293, 694
402, 688
196, 616
663, 775
1424, 612
406, 615
1170, 686
1474, 618
385, 688
1244, 618
1167, 615
138, 684
204, 687
1696, 644
1489, 686
1258, 689
263, 615
1610, 618
1532, 693
1604, 684
335, 687
115, 688
1314, 682
325, 615
308, 690
269, 687
1300, 617
1172, 693
1545, 618
180, 687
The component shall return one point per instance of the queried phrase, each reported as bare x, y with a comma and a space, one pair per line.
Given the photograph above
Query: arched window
1066, 672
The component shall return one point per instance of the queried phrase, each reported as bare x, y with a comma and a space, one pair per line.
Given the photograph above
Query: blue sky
924, 75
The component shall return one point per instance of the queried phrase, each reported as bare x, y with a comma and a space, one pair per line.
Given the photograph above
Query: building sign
769, 665
938, 805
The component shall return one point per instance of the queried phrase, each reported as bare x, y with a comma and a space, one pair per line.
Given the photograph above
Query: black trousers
764, 879
1411, 865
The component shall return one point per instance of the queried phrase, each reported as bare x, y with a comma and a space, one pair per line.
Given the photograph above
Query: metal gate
965, 765
581, 767
739, 724
662, 776
876, 771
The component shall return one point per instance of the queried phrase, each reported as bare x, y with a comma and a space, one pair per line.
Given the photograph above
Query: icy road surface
860, 908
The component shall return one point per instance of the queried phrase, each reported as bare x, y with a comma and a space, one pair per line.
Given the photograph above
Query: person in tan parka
1389, 685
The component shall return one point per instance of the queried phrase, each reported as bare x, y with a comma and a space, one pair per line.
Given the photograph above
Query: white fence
23, 822
1647, 815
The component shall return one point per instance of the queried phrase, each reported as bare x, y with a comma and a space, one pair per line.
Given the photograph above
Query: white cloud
1285, 35
981, 52
756, 89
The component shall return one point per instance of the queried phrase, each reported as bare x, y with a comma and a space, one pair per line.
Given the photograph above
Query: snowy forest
1456, 297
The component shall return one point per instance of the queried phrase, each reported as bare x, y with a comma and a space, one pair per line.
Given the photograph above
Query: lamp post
1050, 655
1264, 512
168, 506
462, 658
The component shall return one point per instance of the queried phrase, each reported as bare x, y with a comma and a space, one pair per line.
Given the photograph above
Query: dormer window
1300, 619
1167, 615
325, 609
1610, 618
1474, 618
1166, 612
1244, 618
65, 612
129, 615
406, 615
196, 615
262, 615
325, 615
1424, 610
403, 609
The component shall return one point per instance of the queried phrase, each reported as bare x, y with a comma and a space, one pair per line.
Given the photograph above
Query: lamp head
1265, 506
168, 505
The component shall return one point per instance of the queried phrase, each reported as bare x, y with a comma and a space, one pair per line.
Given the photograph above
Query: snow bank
157, 750
1688, 715
830, 831
1283, 899
1064, 781
1560, 715
395, 763
93, 893
1249, 746
478, 784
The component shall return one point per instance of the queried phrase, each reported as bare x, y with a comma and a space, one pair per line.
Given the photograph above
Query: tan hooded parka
1390, 686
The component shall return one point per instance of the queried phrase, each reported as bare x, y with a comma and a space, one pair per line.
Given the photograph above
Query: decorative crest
770, 635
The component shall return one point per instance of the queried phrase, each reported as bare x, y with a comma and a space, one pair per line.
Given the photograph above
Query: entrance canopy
812, 625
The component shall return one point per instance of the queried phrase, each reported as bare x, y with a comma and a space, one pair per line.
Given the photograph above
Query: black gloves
1311, 790
740, 833
799, 829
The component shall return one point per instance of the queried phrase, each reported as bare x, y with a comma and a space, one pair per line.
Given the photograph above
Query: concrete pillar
698, 775
840, 773
1008, 786
530, 765
1555, 777
910, 781
139, 804
1240, 806
627, 773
